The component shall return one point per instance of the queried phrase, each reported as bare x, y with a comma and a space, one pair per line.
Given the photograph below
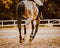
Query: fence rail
49, 22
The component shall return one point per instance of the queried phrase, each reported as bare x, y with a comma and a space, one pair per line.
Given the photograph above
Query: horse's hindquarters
26, 13
31, 12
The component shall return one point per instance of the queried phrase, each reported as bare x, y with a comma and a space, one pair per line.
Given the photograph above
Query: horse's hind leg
37, 24
20, 12
24, 33
32, 31
19, 18
19, 27
37, 21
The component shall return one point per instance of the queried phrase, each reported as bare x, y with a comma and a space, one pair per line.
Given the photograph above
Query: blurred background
51, 9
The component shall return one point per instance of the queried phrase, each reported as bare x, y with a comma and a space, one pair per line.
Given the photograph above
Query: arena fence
44, 22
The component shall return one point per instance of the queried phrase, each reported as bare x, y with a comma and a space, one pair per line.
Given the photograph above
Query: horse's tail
20, 9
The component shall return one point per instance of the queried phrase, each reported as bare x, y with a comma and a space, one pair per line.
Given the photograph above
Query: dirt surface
45, 38
38, 43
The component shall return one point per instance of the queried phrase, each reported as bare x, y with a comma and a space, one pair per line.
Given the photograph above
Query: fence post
14, 22
59, 21
48, 22
2, 23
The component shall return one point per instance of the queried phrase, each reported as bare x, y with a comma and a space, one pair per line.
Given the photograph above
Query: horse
29, 11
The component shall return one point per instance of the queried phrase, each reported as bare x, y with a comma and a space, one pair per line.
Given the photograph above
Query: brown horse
29, 11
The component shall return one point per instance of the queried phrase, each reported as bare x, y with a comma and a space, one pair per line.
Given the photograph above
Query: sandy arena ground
46, 37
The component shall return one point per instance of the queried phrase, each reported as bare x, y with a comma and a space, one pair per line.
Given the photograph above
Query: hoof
31, 36
21, 41
30, 40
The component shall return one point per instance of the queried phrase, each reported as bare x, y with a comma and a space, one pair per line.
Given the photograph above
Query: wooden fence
45, 22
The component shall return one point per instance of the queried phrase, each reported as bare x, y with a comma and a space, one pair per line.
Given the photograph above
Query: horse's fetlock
20, 41
31, 36
23, 39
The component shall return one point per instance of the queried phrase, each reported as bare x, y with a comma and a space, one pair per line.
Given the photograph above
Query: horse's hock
9, 36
